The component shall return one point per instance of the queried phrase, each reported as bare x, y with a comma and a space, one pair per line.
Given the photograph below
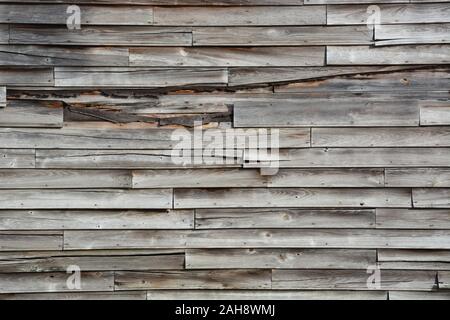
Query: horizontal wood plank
413, 219
279, 36
86, 199
385, 255
264, 238
381, 137
353, 280
389, 13
214, 279
95, 220
64, 179
283, 218
415, 295
90, 15
2, 96
444, 280
295, 113
227, 57
17, 158
57, 262
54, 282
360, 157
240, 16
404, 55
435, 114
100, 36
263, 295
431, 198
277, 197
22, 113
30, 241
412, 34
279, 259
26, 77
418, 177
133, 159
83, 296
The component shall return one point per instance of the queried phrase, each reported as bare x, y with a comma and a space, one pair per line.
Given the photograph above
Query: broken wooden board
353, 280
100, 36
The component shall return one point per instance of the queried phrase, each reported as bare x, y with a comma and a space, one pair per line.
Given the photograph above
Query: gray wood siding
133, 146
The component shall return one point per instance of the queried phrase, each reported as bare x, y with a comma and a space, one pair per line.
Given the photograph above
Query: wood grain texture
100, 36
95, 296
2, 96
381, 137
389, 13
17, 158
95, 220
4, 33
414, 295
412, 34
431, 198
214, 279
396, 55
278, 259
412, 219
352, 280
361, 157
24, 113
26, 77
227, 57
54, 282
64, 179
393, 80
277, 197
30, 241
279, 36
435, 114
58, 262
358, 112
91, 15
264, 238
138, 77
239, 16
86, 199
132, 159
420, 177
31, 55
413, 255
282, 218
263, 295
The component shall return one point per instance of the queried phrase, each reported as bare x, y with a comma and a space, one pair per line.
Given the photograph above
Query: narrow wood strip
431, 198
279, 259
47, 114
17, 158
215, 279
413, 219
283, 218
86, 199
418, 177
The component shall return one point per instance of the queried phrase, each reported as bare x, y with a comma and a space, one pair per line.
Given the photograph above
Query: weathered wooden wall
87, 179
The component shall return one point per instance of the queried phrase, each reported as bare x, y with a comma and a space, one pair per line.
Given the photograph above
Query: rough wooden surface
91, 120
